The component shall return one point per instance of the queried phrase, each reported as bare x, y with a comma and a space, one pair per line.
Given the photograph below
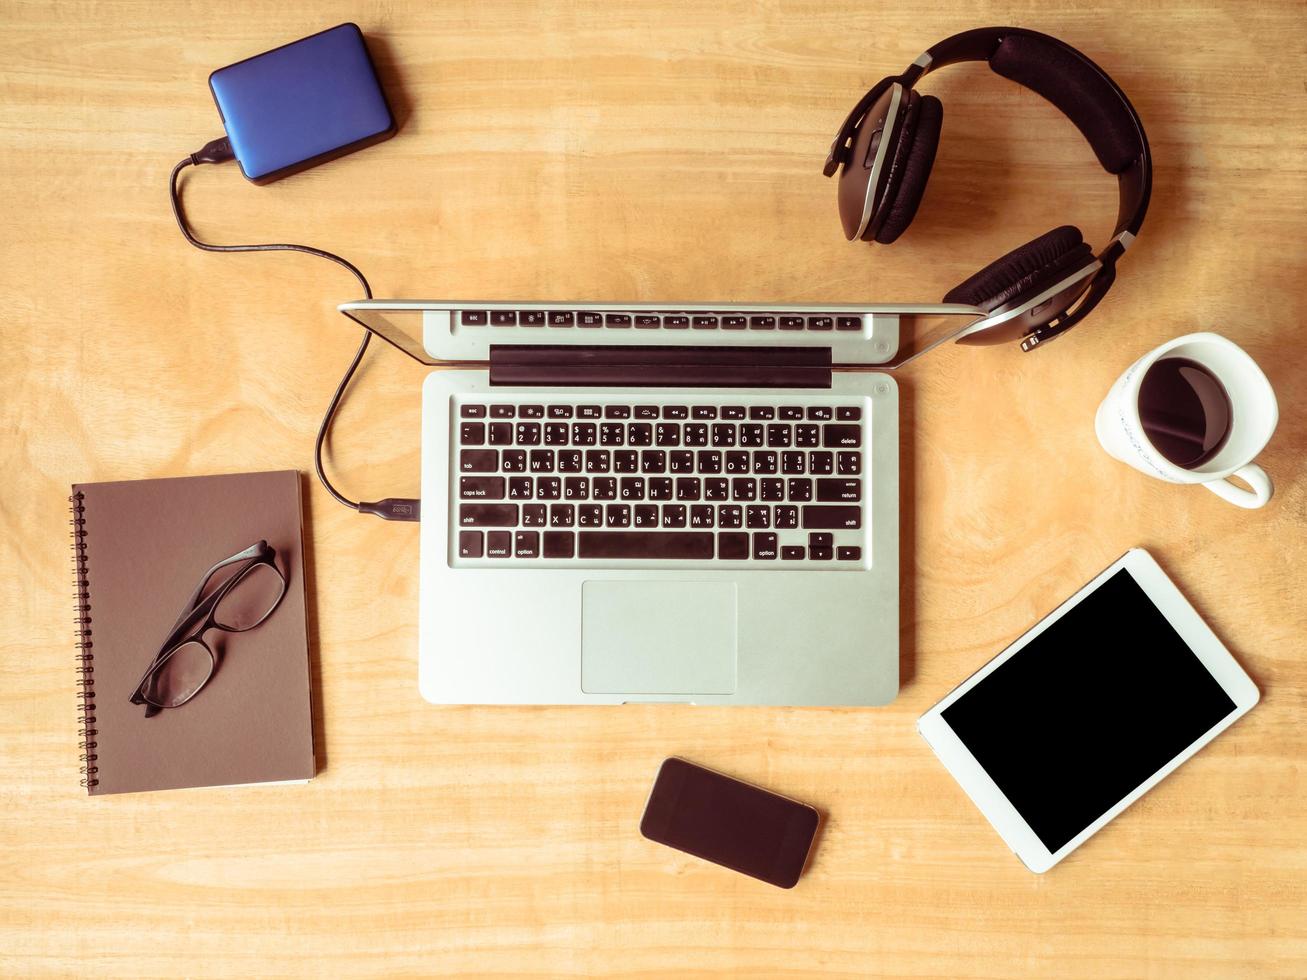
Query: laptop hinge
660, 367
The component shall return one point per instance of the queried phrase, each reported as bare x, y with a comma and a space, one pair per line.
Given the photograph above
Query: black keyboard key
589, 412
815, 516
472, 411
676, 412
820, 413
562, 515
730, 515
772, 491
821, 539
848, 323
487, 515
541, 461
576, 488
737, 461
646, 515
848, 463
849, 554
653, 461
597, 461
734, 412
478, 460
833, 490
716, 489
589, 318
530, 411
612, 434
472, 433
626, 461
821, 463
761, 413
503, 318
618, 515
559, 544
688, 488
682, 545
514, 460
499, 544
733, 323
704, 412
604, 487
617, 411
695, 433
560, 411
481, 487
474, 318
723, 435
751, 434
584, 433
710, 461
549, 488
800, 490
848, 413
744, 488
569, 461
660, 488
807, 435
762, 323
821, 323
792, 552
786, 517
520, 488
559, 318
791, 413
590, 515
647, 321
757, 517
528, 433
841, 436
646, 411
705, 323
764, 462
820, 554
500, 433
632, 488
532, 318
794, 462
676, 322
674, 515
534, 515
667, 434
556, 433
791, 323
779, 435
702, 515
733, 547
470, 544
764, 547
639, 434
503, 411
680, 461
617, 320
527, 544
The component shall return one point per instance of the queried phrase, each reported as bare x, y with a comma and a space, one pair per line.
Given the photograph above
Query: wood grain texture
647, 150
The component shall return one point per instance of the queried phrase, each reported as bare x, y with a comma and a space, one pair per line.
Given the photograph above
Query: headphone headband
1081, 91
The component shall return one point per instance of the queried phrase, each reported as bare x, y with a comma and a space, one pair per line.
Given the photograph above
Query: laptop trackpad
642, 637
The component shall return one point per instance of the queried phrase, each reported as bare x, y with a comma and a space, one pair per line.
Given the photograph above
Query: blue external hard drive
302, 104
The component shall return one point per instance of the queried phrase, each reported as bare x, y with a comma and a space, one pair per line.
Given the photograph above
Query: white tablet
1088, 710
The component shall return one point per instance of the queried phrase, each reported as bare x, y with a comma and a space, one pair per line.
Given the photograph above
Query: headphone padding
916, 170
1077, 90
1005, 278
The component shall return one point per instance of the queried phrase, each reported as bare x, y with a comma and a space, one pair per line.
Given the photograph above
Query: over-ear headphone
887, 147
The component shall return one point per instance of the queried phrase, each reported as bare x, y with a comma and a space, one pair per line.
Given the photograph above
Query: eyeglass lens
249, 601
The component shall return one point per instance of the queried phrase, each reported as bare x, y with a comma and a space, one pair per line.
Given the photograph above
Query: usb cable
220, 151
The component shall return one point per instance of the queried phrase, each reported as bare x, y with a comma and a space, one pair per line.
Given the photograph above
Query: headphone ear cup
913, 159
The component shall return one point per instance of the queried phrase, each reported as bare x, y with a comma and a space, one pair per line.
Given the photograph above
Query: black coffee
1185, 411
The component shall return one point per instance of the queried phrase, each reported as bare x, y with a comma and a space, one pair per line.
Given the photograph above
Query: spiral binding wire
82, 633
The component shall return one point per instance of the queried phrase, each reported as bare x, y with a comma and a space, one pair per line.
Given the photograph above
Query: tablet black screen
1088, 710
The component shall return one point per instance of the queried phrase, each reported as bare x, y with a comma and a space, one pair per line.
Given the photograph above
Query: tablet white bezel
976, 782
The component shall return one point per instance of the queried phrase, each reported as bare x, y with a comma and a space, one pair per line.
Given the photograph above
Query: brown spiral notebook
141, 549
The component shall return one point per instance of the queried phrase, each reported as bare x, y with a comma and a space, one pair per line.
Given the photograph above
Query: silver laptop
675, 502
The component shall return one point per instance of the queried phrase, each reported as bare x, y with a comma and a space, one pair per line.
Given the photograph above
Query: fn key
470, 544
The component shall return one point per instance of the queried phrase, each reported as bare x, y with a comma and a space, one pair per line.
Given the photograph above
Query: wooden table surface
650, 150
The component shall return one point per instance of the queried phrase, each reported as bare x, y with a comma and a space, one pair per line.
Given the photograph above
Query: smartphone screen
730, 823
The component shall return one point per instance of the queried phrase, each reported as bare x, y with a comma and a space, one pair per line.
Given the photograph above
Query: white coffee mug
1253, 416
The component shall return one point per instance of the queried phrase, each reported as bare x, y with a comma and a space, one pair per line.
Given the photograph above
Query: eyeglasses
243, 600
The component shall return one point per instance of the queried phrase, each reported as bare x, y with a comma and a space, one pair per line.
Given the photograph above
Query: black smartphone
730, 823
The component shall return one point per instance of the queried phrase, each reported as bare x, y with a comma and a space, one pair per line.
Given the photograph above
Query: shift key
487, 515
821, 518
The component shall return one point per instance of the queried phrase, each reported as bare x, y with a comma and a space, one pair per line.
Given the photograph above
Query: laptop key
733, 547
848, 463
618, 515
487, 515
481, 487
531, 411
472, 411
499, 544
527, 544
562, 515
832, 490
787, 517
831, 517
519, 487
764, 547
792, 552
472, 433
503, 411
514, 460
674, 545
559, 544
590, 515
646, 515
841, 436
501, 433
478, 460
534, 515
470, 544
848, 554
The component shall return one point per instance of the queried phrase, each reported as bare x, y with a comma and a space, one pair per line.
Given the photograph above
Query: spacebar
645, 544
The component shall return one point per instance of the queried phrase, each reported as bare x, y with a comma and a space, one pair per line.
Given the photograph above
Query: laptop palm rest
650, 637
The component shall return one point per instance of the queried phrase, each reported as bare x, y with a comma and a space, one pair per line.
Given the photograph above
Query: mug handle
1255, 477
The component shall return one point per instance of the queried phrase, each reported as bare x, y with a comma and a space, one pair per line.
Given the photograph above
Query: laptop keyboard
661, 320
541, 480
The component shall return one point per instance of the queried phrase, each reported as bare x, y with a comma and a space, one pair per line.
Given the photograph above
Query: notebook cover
144, 545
